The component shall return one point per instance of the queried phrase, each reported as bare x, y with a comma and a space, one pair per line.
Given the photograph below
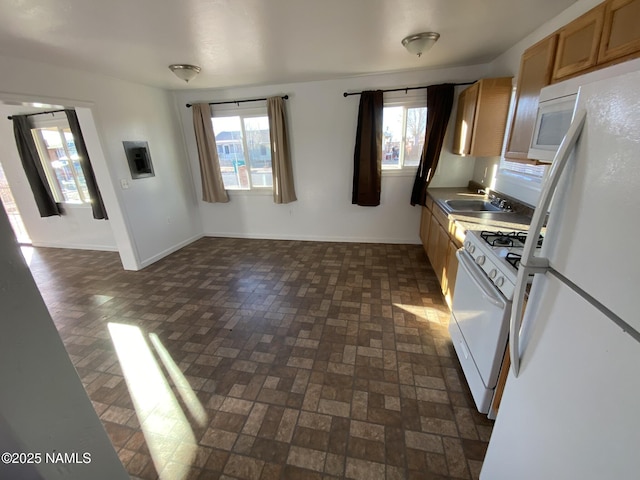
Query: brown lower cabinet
441, 238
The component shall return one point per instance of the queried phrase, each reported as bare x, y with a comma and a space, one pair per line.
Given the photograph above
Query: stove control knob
471, 249
500, 281
480, 260
493, 273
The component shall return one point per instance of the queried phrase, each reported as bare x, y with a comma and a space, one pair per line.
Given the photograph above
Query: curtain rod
10, 117
405, 90
284, 97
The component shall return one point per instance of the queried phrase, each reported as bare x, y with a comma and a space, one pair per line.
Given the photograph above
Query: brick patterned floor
261, 359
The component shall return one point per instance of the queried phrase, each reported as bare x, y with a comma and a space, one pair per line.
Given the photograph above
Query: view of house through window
59, 157
403, 129
244, 151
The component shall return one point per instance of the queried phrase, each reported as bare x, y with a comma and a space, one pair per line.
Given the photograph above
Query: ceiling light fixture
420, 42
184, 71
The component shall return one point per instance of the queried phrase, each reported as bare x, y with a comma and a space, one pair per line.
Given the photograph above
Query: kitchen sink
471, 205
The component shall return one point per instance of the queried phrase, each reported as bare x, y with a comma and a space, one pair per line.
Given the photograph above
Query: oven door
481, 314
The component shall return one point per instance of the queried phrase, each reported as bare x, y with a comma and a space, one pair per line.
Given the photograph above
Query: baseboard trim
305, 238
169, 251
76, 246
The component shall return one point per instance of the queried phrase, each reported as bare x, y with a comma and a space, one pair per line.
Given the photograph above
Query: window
244, 149
403, 130
57, 151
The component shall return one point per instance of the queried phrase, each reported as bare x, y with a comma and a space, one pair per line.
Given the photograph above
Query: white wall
43, 405
154, 216
322, 130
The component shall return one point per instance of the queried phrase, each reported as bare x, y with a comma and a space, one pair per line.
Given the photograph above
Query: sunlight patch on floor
419, 311
169, 436
189, 397
425, 314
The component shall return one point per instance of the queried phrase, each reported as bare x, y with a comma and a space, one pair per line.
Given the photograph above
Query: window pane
233, 167
391, 136
416, 126
258, 143
56, 156
71, 147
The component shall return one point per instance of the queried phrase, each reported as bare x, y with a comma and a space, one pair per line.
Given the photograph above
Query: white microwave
552, 123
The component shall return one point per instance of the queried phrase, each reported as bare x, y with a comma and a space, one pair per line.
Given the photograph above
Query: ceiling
241, 42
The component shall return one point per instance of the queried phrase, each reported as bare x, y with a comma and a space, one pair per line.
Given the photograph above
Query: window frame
60, 122
412, 99
242, 111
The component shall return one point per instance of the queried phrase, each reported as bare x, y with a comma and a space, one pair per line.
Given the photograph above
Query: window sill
267, 192
76, 206
403, 172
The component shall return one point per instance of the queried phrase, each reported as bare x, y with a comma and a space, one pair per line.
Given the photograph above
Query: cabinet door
441, 254
535, 72
490, 120
578, 44
425, 223
432, 246
465, 120
451, 270
621, 31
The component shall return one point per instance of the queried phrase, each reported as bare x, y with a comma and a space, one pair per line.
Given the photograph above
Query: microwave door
552, 123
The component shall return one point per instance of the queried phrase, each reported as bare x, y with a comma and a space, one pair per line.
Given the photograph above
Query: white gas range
479, 326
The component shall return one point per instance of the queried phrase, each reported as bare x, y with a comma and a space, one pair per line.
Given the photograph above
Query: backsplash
497, 198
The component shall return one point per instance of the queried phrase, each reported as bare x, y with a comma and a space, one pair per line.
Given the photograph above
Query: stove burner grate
508, 239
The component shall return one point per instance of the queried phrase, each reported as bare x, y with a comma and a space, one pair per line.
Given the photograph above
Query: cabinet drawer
441, 217
429, 203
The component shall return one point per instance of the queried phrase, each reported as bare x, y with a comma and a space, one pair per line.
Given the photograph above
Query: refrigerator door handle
515, 322
529, 263
549, 187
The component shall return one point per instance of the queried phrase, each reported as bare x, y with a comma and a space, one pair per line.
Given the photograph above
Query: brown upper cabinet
578, 44
607, 34
536, 66
621, 31
482, 117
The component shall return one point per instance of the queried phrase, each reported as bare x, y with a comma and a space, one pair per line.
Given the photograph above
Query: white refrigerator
571, 405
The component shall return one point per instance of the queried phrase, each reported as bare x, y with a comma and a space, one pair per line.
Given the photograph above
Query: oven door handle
472, 271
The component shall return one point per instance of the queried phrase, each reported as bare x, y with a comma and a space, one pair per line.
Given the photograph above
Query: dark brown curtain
97, 205
33, 168
439, 103
367, 158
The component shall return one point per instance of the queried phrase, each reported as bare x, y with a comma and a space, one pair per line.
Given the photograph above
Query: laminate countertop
477, 220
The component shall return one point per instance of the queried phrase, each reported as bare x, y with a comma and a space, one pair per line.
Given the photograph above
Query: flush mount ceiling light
420, 42
185, 72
